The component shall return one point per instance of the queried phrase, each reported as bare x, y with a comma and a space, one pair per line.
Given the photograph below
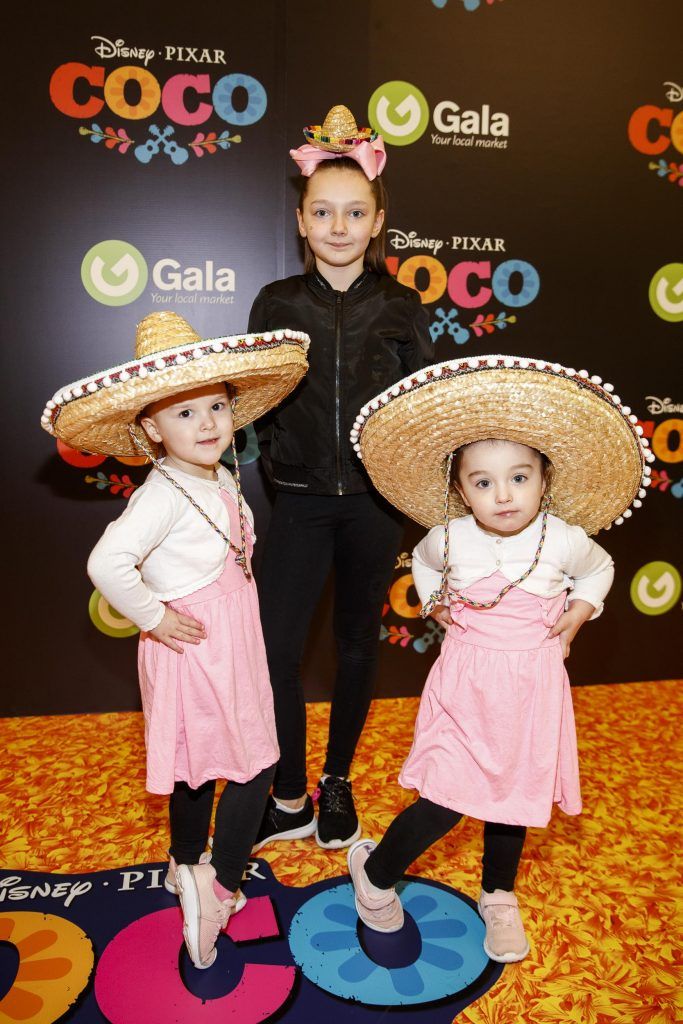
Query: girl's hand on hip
442, 614
176, 627
570, 622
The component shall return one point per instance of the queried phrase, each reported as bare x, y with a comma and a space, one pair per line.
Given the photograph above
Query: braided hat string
240, 556
439, 595
240, 553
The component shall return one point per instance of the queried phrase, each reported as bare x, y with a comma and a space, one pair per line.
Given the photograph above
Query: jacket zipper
339, 298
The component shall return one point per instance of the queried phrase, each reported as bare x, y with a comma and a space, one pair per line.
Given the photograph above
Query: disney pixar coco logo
116, 101
666, 440
399, 110
475, 273
402, 602
657, 131
115, 273
656, 587
109, 947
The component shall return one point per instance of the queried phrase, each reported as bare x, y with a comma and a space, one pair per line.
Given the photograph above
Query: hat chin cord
442, 594
240, 553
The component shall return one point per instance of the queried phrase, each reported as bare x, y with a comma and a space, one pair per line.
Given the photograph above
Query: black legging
421, 825
238, 816
359, 535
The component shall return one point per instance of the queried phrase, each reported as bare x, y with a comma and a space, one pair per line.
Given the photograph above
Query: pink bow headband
371, 157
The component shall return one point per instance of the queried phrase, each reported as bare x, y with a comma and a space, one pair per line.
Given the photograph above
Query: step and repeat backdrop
535, 165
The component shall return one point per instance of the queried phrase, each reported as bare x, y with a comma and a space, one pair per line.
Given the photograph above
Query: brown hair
375, 254
160, 450
229, 388
546, 465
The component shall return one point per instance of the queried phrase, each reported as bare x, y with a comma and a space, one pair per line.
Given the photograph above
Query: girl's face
339, 218
194, 427
502, 483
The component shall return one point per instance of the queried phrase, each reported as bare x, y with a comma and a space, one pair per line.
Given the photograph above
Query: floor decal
108, 947
598, 892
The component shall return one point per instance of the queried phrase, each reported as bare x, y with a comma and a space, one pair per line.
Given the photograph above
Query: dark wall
567, 206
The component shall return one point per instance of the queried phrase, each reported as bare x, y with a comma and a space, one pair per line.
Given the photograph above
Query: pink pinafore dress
495, 736
209, 711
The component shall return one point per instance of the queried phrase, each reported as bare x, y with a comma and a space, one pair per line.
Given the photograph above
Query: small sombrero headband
339, 135
94, 414
406, 434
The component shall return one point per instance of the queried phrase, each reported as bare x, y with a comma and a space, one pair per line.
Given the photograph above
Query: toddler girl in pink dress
177, 564
512, 585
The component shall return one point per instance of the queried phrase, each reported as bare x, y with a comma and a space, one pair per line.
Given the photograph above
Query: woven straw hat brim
93, 414
597, 455
332, 144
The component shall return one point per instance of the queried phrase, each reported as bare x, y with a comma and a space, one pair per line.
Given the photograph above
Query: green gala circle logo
114, 272
399, 111
656, 588
666, 292
107, 619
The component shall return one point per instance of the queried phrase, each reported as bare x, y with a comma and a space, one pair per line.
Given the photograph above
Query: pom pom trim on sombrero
162, 359
405, 434
93, 413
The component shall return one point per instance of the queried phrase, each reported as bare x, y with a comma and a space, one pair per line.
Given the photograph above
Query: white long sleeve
589, 569
160, 548
428, 563
114, 563
570, 560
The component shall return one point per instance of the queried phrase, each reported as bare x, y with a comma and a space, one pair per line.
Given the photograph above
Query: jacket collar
323, 287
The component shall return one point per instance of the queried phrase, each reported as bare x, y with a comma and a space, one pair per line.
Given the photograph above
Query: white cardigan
161, 548
569, 560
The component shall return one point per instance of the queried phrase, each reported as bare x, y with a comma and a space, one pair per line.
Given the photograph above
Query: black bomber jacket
362, 341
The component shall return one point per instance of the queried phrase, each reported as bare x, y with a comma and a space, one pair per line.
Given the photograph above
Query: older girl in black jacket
367, 331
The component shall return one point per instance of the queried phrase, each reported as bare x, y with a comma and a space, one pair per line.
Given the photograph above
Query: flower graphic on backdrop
160, 141
667, 169
113, 483
118, 140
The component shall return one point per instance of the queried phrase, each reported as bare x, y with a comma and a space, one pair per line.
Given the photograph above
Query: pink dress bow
371, 157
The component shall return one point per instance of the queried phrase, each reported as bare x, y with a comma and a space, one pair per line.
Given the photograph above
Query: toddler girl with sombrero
481, 450
177, 563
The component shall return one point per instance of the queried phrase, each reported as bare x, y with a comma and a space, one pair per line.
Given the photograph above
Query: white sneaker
505, 941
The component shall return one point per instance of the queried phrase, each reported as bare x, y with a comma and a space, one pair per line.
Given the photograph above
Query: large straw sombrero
405, 435
94, 414
339, 132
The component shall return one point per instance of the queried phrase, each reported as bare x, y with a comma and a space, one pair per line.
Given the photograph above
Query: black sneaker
277, 824
337, 819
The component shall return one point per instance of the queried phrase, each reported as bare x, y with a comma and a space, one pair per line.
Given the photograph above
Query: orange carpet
600, 893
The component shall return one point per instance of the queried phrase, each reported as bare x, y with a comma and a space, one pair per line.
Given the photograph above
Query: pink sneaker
170, 882
379, 909
204, 915
505, 940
